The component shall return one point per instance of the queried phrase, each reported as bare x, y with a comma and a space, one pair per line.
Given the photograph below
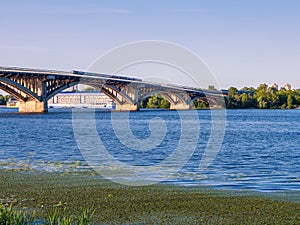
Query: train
76, 72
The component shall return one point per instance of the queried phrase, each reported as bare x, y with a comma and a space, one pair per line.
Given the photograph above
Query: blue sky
244, 42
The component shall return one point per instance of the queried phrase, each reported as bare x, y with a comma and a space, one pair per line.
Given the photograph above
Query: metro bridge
34, 87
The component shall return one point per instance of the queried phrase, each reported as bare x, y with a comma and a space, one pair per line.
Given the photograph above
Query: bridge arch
203, 99
211, 101
178, 101
117, 94
114, 93
172, 97
12, 92
124, 99
163, 94
56, 91
17, 90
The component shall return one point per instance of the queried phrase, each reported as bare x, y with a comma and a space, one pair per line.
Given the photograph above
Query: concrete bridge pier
127, 107
180, 106
33, 106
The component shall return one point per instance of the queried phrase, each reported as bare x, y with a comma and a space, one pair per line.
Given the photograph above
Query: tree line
262, 97
4, 99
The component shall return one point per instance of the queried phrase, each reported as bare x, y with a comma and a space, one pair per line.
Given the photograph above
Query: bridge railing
36, 71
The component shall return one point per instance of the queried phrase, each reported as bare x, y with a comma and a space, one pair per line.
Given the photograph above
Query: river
260, 150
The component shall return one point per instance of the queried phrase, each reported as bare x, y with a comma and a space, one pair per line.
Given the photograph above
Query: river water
260, 150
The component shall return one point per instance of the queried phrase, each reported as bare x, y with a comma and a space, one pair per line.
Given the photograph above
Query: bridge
34, 87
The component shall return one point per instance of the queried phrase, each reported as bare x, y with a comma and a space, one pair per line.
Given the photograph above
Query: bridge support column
33, 106
127, 107
180, 106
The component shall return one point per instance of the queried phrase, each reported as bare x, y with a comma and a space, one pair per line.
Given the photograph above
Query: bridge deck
95, 76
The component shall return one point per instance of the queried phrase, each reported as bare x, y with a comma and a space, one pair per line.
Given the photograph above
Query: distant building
274, 85
287, 87
74, 99
72, 89
84, 99
13, 103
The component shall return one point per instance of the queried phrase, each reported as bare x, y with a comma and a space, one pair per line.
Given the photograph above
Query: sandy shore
157, 204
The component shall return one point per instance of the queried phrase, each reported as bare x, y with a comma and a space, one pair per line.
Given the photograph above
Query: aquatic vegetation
81, 199
59, 217
85, 217
8, 216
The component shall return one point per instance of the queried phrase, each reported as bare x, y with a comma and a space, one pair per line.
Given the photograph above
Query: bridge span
34, 87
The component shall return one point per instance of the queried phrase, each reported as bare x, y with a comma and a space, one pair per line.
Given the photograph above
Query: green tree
233, 100
247, 101
248, 89
263, 97
2, 100
143, 103
89, 89
157, 102
200, 104
297, 97
263, 87
282, 98
212, 88
289, 101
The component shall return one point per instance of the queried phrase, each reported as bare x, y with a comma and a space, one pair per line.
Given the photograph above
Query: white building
287, 87
81, 99
274, 85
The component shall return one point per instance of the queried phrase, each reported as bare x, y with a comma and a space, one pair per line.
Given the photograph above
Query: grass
8, 216
62, 198
58, 217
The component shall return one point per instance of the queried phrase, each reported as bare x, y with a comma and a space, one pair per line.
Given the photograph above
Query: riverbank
157, 204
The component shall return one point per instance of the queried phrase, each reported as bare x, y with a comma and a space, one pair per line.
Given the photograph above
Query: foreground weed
8, 216
58, 217
85, 217
52, 218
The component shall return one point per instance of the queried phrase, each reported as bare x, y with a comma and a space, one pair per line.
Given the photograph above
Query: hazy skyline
244, 43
